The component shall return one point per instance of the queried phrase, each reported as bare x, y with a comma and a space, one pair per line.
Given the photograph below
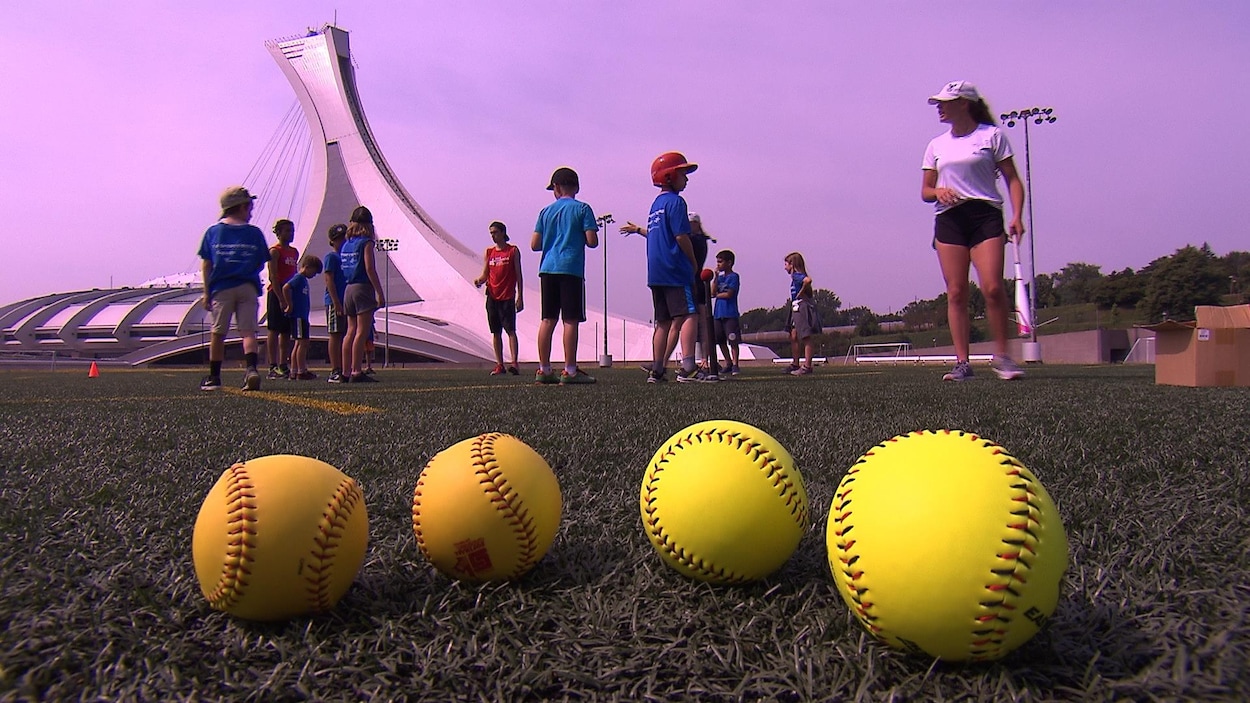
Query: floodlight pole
1037, 115
604, 220
388, 246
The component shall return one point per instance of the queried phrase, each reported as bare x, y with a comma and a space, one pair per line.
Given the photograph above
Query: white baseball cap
955, 91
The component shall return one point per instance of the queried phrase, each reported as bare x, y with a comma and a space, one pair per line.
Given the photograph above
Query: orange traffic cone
94, 372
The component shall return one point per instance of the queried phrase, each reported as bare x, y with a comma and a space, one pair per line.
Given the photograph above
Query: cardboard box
1214, 350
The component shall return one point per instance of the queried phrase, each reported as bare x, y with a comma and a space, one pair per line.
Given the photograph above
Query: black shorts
563, 297
726, 330
275, 319
969, 224
299, 327
671, 302
335, 323
500, 315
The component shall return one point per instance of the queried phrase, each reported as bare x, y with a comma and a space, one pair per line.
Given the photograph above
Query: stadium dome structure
434, 311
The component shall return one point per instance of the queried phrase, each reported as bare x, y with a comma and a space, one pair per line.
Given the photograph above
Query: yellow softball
279, 537
722, 501
486, 509
944, 544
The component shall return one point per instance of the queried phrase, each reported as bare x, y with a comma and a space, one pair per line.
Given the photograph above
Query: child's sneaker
273, 372
284, 371
802, 371
1006, 368
653, 377
961, 372
734, 371
211, 383
545, 379
251, 380
791, 369
514, 371
498, 370
306, 376
336, 376
693, 376
580, 376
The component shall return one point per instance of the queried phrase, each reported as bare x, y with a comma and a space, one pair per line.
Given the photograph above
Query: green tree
827, 303
1237, 268
1075, 283
976, 301
919, 315
867, 326
1120, 289
763, 319
1192, 276
1044, 292
855, 315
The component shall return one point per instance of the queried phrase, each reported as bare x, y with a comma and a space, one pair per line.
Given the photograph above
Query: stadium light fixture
1038, 116
388, 246
604, 220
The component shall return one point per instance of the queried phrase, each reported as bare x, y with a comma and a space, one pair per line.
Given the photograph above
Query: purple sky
125, 121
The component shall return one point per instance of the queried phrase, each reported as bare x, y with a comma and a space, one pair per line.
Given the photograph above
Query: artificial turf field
103, 479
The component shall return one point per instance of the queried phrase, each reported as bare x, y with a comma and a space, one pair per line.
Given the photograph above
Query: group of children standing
677, 248
233, 253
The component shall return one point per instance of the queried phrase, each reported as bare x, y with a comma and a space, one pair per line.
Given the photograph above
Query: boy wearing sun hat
232, 254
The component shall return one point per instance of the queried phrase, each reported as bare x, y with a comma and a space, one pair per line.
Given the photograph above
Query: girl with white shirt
961, 168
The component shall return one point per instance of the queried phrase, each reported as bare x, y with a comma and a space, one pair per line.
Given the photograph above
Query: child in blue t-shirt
298, 308
803, 320
565, 229
725, 309
336, 286
671, 267
232, 254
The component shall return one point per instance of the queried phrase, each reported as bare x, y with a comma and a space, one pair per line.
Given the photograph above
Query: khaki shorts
239, 302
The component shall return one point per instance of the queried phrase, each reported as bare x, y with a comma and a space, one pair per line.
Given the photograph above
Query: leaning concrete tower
434, 308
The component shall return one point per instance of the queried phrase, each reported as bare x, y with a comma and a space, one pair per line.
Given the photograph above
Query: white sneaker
1006, 368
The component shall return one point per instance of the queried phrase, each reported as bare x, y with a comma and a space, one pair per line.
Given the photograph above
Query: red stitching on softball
500, 492
240, 538
333, 526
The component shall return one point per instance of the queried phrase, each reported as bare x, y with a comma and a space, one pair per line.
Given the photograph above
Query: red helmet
668, 163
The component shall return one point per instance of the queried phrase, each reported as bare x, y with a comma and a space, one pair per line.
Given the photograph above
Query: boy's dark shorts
726, 330
299, 327
334, 323
671, 302
501, 315
563, 297
969, 224
275, 319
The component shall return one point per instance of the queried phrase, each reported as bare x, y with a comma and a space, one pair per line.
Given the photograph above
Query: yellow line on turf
326, 405
437, 389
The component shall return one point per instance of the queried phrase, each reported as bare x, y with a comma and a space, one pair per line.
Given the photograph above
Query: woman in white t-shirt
961, 168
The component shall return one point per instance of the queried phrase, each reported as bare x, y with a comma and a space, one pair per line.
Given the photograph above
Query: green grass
104, 477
